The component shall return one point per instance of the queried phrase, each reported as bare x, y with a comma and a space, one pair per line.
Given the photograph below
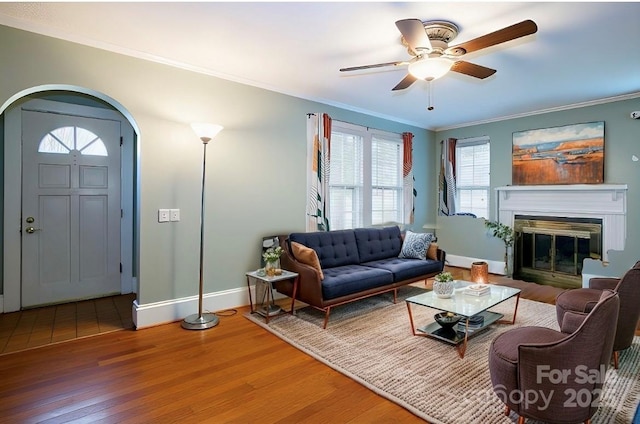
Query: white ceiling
582, 53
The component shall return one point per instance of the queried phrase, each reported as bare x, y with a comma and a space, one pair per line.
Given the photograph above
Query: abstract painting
571, 154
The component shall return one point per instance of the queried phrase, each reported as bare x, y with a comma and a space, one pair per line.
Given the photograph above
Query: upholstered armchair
556, 376
628, 289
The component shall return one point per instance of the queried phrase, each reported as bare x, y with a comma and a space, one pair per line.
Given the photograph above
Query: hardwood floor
57, 323
233, 373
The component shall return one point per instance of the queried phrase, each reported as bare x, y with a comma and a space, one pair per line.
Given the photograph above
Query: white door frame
13, 197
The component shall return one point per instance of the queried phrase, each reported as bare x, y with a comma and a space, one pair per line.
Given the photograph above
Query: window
365, 179
472, 175
65, 139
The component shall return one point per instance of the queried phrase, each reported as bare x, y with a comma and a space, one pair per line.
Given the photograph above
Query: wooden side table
268, 282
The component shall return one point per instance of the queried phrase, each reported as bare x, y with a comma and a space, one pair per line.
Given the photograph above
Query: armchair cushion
571, 321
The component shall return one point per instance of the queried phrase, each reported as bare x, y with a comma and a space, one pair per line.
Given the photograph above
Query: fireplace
599, 216
550, 250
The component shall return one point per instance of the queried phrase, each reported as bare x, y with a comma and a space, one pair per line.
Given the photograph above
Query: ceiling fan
428, 44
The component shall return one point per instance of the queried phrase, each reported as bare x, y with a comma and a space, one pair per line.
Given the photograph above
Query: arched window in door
65, 139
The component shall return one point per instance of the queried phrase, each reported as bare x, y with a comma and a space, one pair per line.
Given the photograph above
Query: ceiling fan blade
472, 69
377, 65
405, 83
414, 34
509, 33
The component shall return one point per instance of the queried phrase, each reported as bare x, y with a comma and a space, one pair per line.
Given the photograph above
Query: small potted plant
507, 235
443, 285
271, 258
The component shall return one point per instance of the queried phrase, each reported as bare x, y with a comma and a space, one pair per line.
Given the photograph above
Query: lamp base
197, 322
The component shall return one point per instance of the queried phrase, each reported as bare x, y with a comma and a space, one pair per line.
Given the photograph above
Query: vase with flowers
271, 258
443, 285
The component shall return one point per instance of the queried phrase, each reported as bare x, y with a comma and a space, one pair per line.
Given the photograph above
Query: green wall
256, 165
256, 168
622, 141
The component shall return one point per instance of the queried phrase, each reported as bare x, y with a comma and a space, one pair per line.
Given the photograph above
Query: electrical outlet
174, 214
163, 215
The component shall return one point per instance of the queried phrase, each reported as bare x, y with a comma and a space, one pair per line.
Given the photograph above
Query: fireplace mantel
604, 201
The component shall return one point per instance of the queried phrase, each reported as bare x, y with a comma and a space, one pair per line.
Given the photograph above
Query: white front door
70, 222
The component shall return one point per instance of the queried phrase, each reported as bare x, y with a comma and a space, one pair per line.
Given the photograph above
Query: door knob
31, 230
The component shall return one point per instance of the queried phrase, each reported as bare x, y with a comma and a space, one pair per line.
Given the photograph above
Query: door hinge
121, 140
120, 267
121, 213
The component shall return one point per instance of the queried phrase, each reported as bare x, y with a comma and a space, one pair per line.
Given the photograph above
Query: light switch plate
174, 214
163, 215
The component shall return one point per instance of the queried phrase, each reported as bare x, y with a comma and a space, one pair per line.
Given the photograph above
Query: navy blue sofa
356, 264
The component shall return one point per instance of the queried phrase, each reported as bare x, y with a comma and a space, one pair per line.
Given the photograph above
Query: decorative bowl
447, 319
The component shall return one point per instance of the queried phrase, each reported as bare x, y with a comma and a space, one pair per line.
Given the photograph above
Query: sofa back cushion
334, 248
378, 243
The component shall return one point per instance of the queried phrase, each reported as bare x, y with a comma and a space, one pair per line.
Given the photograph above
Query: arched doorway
79, 165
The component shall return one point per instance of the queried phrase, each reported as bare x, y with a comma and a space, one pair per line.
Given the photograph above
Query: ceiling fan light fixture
430, 68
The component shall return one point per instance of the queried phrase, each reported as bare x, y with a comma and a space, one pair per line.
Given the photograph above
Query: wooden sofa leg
520, 419
326, 318
395, 296
615, 359
507, 411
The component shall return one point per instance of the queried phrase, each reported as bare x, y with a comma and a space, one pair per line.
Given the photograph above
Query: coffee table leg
515, 312
462, 347
413, 329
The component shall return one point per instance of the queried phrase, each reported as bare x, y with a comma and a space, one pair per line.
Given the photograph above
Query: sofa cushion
378, 243
415, 245
405, 269
307, 256
349, 279
334, 248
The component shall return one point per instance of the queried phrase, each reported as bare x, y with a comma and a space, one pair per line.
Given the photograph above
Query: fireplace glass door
551, 251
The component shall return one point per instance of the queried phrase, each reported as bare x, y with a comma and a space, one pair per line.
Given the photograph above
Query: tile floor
50, 324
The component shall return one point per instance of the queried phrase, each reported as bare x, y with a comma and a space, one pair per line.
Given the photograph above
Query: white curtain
318, 148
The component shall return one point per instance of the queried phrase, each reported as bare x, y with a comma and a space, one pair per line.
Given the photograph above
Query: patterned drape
318, 149
447, 181
409, 191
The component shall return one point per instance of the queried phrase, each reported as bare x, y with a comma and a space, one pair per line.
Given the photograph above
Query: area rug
370, 341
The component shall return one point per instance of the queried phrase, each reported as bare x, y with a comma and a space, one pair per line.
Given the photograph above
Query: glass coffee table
474, 311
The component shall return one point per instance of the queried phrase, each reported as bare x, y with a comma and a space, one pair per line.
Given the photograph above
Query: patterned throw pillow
415, 245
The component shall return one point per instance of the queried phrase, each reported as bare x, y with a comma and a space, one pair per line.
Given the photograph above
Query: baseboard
1, 304
152, 314
495, 267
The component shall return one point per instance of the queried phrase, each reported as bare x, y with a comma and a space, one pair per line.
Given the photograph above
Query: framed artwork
571, 154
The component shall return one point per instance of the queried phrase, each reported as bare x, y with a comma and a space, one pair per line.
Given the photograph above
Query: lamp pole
202, 321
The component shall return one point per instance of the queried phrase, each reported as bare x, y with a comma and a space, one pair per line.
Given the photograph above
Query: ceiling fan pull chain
430, 88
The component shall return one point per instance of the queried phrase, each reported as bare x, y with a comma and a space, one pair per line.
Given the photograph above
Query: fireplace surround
603, 205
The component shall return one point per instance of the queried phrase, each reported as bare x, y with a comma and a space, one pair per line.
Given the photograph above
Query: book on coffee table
477, 290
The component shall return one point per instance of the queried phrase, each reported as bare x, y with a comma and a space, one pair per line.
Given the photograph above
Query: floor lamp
201, 321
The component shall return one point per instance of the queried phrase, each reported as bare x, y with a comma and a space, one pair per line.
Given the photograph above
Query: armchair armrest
603, 283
